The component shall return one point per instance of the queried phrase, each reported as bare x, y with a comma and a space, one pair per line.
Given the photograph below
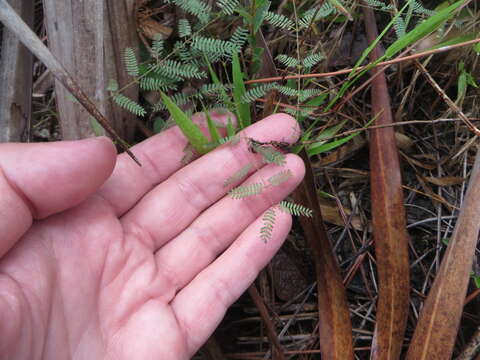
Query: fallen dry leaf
445, 180
335, 328
388, 217
439, 320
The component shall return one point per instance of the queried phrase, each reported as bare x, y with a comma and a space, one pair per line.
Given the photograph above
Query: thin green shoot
239, 90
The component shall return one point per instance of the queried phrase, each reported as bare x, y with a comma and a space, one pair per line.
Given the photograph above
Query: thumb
38, 180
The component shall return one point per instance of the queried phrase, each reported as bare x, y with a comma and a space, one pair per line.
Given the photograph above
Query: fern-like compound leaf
157, 45
129, 104
279, 20
308, 93
174, 69
418, 8
228, 6
153, 84
287, 61
286, 90
184, 28
312, 60
268, 220
400, 27
295, 209
257, 92
214, 89
185, 54
232, 140
269, 154
131, 62
239, 37
380, 5
280, 178
178, 98
315, 14
215, 46
195, 7
238, 176
243, 191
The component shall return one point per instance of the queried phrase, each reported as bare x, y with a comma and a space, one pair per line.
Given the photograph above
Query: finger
168, 209
216, 228
160, 155
201, 305
38, 180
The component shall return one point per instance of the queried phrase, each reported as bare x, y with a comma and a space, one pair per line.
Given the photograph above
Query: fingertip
286, 121
297, 165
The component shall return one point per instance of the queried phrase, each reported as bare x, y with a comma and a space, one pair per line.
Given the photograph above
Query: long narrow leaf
212, 128
437, 327
188, 127
243, 110
374, 43
388, 218
422, 30
216, 81
335, 328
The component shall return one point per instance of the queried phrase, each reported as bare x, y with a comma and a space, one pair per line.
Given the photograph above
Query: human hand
141, 263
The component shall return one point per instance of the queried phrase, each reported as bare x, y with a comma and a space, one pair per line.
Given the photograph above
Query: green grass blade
216, 81
212, 128
321, 147
243, 110
370, 48
331, 131
230, 128
423, 29
189, 129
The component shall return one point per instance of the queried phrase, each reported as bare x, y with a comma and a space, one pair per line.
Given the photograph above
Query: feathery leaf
295, 209
244, 191
239, 175
268, 224
131, 62
280, 177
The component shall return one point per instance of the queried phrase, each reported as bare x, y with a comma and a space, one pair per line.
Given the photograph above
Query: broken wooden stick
16, 25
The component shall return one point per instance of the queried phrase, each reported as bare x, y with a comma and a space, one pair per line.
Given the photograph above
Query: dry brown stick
383, 63
388, 218
17, 26
271, 333
335, 328
447, 99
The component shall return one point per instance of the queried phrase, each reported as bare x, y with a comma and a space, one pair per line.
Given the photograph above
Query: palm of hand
141, 269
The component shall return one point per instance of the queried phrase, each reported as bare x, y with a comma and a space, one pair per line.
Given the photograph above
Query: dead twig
447, 99
383, 63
